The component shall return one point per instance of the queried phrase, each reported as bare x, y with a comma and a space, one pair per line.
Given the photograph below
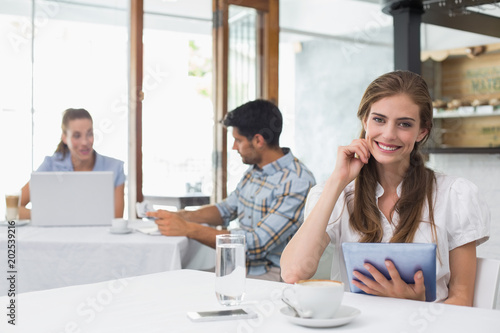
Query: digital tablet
407, 257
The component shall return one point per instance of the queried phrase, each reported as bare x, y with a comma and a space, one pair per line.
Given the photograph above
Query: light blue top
269, 204
102, 163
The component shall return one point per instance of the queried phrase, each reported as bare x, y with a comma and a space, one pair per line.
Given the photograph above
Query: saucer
344, 315
18, 223
120, 230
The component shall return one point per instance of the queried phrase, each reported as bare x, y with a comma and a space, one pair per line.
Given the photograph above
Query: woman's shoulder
318, 188
56, 162
57, 156
461, 206
106, 161
453, 183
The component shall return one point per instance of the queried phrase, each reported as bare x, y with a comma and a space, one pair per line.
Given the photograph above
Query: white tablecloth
53, 257
159, 302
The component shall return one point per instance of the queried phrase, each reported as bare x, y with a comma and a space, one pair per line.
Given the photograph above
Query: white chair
486, 287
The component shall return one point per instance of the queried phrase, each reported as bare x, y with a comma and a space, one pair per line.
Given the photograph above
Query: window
54, 56
242, 77
177, 108
246, 44
15, 95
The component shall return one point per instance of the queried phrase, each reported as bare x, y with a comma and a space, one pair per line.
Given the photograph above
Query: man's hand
174, 224
170, 223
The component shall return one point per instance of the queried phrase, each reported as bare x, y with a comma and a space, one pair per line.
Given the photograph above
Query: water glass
230, 268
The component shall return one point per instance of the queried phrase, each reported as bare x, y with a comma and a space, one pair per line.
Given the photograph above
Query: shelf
458, 150
463, 113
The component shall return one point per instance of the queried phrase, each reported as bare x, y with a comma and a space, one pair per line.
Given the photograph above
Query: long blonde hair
418, 181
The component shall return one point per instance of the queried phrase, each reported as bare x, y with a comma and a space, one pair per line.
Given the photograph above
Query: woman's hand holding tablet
390, 269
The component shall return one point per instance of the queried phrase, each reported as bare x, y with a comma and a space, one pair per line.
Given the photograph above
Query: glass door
246, 37
177, 110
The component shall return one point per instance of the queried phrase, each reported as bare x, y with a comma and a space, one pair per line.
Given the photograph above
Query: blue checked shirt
269, 204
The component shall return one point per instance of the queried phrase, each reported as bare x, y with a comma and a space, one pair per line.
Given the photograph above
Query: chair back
486, 286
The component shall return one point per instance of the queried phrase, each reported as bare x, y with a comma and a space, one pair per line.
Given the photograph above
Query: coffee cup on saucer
119, 226
316, 299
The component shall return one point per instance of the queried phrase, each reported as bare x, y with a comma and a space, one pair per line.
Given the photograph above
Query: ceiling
364, 19
359, 20
476, 16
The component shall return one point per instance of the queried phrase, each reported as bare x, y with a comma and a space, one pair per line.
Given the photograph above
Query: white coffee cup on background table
119, 224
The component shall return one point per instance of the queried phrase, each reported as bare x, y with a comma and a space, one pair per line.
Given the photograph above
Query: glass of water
230, 268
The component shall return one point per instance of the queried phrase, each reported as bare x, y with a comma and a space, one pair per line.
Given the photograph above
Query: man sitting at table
268, 200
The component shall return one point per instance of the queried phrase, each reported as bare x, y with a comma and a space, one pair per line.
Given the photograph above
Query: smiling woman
381, 191
75, 152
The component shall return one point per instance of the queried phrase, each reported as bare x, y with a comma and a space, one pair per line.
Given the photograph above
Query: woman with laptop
380, 191
75, 153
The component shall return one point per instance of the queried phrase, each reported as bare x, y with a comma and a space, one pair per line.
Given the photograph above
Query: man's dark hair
257, 117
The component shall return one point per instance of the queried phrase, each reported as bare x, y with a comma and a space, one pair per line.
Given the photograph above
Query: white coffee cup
119, 224
319, 299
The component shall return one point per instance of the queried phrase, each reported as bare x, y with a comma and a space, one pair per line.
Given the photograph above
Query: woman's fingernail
368, 267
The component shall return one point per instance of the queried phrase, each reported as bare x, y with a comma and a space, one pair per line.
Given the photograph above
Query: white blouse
460, 216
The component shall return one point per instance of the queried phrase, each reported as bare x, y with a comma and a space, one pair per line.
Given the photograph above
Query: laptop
407, 257
74, 198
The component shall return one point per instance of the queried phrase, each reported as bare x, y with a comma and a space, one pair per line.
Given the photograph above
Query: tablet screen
407, 257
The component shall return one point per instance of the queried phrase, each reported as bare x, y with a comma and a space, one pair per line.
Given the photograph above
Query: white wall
329, 84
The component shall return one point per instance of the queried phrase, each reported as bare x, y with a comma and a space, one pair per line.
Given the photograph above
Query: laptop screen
72, 198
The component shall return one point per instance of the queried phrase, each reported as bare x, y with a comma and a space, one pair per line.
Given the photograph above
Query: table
159, 302
52, 257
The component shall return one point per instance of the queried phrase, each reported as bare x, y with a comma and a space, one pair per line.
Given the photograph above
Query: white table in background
53, 257
159, 302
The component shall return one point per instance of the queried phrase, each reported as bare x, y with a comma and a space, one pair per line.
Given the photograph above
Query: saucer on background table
18, 223
120, 230
344, 315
